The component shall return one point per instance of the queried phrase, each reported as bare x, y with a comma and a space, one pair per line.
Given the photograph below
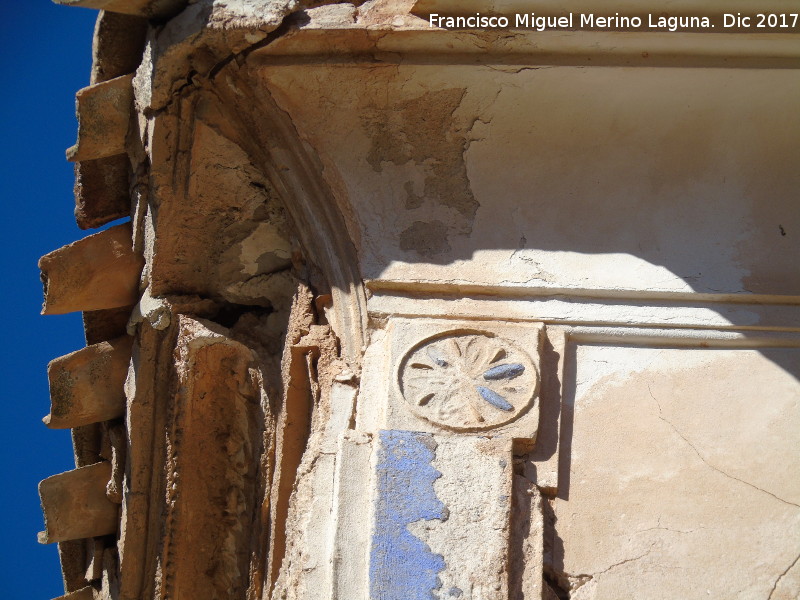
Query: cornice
532, 48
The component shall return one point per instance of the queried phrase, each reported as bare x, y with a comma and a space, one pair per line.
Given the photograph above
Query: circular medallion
468, 381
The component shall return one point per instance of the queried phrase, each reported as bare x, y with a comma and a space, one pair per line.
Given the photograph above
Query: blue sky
45, 59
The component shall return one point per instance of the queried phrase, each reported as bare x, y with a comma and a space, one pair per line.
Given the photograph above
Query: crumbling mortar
192, 80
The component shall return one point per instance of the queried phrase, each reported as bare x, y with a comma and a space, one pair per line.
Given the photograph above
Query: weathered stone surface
98, 272
72, 555
402, 564
305, 431
87, 386
117, 45
94, 570
526, 541
119, 451
220, 28
87, 444
151, 9
246, 244
101, 191
109, 584
75, 504
104, 115
541, 464
207, 548
148, 390
266, 141
438, 526
352, 493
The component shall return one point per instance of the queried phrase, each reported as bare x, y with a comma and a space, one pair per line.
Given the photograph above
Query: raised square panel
464, 377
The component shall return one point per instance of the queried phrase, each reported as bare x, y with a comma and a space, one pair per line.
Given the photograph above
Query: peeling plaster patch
403, 567
474, 538
152, 309
267, 289
426, 239
413, 200
616, 365
264, 250
331, 15
423, 131
374, 12
265, 15
619, 363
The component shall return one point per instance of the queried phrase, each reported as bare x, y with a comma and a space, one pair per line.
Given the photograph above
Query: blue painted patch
509, 371
494, 398
402, 567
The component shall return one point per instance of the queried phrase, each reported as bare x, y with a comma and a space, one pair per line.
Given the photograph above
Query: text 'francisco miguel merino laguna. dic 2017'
615, 21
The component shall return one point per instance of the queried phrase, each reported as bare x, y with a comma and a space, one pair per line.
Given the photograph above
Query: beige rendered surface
662, 195
679, 473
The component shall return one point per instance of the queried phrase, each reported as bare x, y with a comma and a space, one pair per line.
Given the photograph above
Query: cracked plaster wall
678, 482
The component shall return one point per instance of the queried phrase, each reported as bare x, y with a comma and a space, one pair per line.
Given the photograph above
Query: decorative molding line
423, 45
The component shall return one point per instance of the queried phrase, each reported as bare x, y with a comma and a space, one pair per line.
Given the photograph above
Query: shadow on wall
649, 179
631, 182
633, 188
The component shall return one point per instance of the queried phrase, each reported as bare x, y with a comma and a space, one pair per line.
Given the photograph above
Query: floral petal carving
494, 398
508, 371
436, 356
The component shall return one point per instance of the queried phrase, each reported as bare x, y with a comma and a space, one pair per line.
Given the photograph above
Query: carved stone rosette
468, 381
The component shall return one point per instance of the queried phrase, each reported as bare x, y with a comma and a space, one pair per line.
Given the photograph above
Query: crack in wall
623, 562
708, 464
781, 576
567, 583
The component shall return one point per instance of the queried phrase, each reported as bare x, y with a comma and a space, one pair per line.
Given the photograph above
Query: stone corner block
475, 377
87, 386
98, 272
75, 504
104, 113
